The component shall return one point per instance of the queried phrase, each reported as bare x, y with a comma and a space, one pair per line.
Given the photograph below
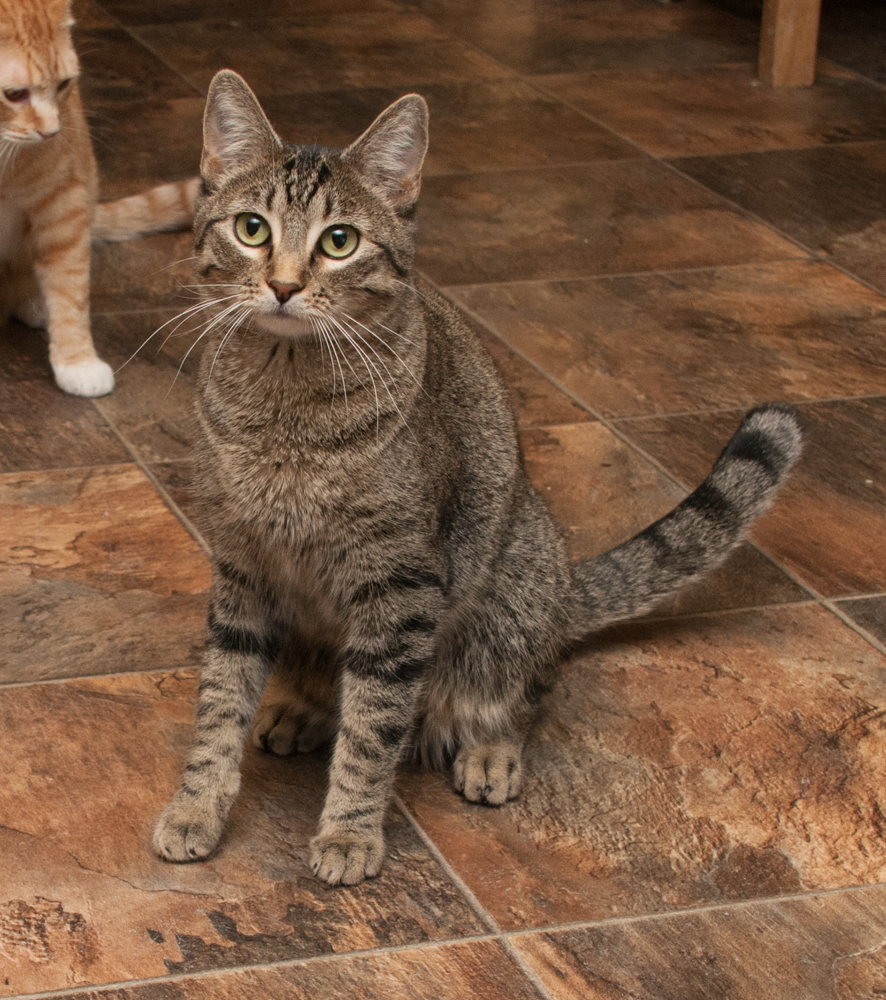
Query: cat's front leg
242, 644
392, 645
60, 235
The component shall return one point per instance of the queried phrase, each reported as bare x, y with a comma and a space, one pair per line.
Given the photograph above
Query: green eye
251, 229
339, 241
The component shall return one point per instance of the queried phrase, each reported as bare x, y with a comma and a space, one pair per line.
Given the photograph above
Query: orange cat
48, 188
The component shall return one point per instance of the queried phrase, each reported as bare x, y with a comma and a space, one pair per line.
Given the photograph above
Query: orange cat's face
37, 68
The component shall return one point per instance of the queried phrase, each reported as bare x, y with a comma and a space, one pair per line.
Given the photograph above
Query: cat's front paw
491, 773
88, 378
187, 830
346, 858
283, 729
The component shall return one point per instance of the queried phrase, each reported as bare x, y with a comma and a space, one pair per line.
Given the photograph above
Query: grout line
642, 918
159, 671
286, 963
482, 913
184, 520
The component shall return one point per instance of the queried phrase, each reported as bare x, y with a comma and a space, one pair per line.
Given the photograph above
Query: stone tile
551, 37
148, 273
145, 120
346, 50
137, 12
152, 404
828, 525
89, 765
869, 612
679, 763
96, 576
723, 109
824, 947
833, 199
710, 339
536, 400
450, 972
479, 125
40, 426
578, 221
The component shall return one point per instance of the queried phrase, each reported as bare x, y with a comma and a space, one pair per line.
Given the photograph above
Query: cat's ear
391, 151
236, 132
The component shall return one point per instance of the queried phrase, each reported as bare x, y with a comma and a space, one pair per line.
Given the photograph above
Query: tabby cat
376, 542
48, 188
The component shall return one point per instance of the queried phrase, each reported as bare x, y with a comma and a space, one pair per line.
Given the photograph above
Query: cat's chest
12, 229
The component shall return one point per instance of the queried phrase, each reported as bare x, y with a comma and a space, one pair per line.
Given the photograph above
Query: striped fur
378, 550
48, 189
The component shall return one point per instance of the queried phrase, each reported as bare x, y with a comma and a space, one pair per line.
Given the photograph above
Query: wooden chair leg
788, 42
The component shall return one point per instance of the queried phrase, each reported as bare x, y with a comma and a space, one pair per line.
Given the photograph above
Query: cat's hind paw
88, 378
284, 729
187, 832
491, 773
346, 858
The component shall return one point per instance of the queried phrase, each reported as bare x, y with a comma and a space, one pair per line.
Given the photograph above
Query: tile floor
649, 243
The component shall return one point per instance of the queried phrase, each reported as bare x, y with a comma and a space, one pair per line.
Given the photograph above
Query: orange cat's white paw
88, 378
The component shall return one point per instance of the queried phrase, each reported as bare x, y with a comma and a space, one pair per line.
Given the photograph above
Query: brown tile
869, 612
479, 125
708, 339
833, 199
478, 969
147, 273
43, 428
152, 404
823, 947
535, 399
855, 36
556, 37
145, 120
828, 524
347, 50
96, 576
692, 761
88, 766
136, 12
571, 222
601, 492
724, 109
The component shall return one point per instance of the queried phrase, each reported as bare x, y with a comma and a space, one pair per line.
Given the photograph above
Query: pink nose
284, 290
47, 135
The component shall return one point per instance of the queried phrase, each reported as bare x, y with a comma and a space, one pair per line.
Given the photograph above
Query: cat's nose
47, 135
284, 290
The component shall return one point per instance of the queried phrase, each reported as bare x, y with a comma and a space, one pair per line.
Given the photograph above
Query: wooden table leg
788, 42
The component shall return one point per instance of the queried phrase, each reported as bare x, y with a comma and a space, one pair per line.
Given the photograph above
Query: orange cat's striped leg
60, 233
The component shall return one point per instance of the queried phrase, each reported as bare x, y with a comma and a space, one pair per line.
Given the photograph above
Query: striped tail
698, 534
159, 210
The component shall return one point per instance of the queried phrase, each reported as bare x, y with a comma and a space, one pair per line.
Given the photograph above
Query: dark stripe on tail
698, 534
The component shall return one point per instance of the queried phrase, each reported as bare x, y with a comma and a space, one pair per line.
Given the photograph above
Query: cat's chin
283, 326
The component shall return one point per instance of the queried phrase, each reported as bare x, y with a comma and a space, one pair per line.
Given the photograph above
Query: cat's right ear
236, 132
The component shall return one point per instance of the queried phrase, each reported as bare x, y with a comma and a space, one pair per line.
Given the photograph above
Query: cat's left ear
236, 132
390, 153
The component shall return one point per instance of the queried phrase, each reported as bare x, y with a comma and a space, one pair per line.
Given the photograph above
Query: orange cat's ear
236, 132
390, 153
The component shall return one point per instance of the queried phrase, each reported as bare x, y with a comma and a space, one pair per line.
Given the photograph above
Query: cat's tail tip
698, 534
